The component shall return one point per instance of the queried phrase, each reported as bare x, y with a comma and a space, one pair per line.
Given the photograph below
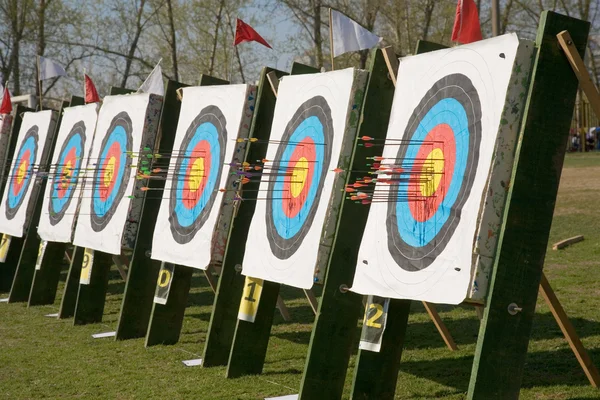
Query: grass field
42, 357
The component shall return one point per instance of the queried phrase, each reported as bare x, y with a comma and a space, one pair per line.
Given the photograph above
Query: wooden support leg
69, 298
312, 299
568, 330
212, 281
504, 335
251, 339
166, 320
91, 298
19, 292
376, 374
283, 310
45, 279
9, 266
441, 327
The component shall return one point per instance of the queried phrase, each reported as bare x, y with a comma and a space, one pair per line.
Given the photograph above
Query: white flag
50, 69
348, 35
154, 82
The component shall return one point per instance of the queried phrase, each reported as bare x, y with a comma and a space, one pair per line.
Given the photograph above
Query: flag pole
331, 38
39, 83
84, 87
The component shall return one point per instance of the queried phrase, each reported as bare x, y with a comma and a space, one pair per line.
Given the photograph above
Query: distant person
575, 142
597, 132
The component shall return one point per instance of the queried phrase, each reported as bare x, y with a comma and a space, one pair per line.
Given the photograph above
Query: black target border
11, 212
121, 119
78, 128
460, 88
316, 106
211, 114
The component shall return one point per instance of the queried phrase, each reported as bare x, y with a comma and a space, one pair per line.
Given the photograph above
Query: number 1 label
250, 299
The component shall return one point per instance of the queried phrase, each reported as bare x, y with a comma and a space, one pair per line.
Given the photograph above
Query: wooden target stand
30, 242
507, 318
231, 282
10, 253
50, 256
94, 266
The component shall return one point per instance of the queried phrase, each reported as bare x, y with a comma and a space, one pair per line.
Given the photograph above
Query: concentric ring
197, 174
297, 176
67, 172
112, 171
439, 156
22, 173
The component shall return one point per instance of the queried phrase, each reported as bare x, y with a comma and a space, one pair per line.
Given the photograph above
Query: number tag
41, 251
86, 267
250, 299
163, 285
374, 323
4, 245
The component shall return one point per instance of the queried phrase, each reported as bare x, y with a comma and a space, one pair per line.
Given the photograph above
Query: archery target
123, 123
22, 172
211, 118
444, 133
197, 174
67, 172
309, 126
444, 127
28, 159
112, 171
301, 161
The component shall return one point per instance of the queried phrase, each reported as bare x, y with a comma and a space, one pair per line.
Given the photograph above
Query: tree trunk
173, 40
216, 38
41, 43
317, 34
134, 43
429, 6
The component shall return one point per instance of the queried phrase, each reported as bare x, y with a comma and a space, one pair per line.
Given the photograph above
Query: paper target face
22, 174
300, 164
195, 182
112, 171
444, 132
67, 172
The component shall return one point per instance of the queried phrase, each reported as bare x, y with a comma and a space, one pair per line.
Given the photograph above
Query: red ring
190, 197
292, 205
113, 151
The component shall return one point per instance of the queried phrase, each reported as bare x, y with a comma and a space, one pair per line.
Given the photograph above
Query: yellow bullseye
21, 172
196, 174
432, 172
67, 175
109, 171
299, 177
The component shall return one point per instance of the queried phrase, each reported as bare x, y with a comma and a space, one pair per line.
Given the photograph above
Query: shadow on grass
544, 368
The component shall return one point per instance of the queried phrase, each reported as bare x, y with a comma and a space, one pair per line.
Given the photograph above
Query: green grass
43, 357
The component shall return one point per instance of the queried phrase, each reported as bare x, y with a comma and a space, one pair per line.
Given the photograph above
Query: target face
112, 171
439, 162
197, 174
22, 173
66, 173
299, 168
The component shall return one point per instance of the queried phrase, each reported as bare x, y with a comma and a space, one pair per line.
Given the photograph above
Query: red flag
6, 106
91, 95
245, 33
466, 25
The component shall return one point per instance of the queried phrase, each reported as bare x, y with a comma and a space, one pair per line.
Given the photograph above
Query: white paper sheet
282, 245
20, 191
108, 237
65, 180
190, 209
437, 267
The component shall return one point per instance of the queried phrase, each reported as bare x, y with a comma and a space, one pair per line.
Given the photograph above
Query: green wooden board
8, 268
69, 297
223, 319
503, 338
45, 279
335, 325
166, 320
251, 340
77, 101
89, 307
376, 374
23, 279
143, 271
